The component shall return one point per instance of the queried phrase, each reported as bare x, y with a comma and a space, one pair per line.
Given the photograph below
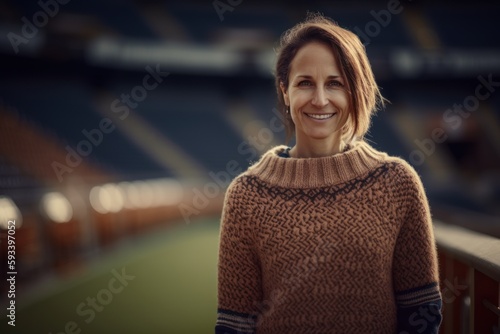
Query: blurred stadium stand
219, 94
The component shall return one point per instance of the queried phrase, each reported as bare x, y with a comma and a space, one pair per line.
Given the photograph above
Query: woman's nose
319, 99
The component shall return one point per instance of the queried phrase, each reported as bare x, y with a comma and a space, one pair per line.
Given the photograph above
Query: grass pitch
168, 284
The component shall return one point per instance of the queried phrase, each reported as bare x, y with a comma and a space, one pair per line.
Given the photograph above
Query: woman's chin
320, 135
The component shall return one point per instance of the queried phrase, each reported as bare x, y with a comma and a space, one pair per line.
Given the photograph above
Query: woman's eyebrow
305, 76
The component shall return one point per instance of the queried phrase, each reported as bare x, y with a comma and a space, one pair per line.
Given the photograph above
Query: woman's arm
415, 267
239, 282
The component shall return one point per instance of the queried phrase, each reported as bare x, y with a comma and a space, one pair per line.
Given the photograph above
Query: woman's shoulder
404, 174
395, 165
247, 181
240, 184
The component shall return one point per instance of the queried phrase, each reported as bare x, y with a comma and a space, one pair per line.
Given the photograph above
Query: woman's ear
285, 94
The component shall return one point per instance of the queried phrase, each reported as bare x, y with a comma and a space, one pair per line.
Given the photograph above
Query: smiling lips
321, 116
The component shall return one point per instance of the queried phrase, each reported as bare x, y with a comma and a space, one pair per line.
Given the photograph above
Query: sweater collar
316, 172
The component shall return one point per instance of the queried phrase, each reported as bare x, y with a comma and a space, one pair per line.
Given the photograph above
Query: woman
329, 236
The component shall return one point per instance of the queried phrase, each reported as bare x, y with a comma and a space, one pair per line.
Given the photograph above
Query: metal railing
470, 280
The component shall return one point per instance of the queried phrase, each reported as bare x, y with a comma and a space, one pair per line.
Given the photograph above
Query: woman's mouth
321, 116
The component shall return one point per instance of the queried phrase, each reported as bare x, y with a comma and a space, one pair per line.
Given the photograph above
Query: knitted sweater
338, 244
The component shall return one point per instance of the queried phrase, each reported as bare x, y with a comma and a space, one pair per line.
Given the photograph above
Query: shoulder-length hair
364, 95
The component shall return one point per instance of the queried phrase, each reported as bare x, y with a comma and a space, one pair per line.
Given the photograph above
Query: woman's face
316, 94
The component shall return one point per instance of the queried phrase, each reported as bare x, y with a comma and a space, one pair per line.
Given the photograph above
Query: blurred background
122, 122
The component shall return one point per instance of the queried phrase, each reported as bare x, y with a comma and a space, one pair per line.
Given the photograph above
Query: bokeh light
57, 207
9, 212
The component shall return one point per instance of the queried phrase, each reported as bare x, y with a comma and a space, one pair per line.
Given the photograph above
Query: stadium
122, 122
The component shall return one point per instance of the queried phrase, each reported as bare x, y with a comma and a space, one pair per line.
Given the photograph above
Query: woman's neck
316, 148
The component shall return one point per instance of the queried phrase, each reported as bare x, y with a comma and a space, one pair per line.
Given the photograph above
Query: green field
170, 288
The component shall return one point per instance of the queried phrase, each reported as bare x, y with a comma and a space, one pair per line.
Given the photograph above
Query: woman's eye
335, 83
305, 83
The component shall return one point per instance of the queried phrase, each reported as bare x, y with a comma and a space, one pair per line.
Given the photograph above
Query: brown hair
364, 94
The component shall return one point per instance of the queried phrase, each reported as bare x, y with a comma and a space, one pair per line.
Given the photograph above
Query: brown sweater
339, 244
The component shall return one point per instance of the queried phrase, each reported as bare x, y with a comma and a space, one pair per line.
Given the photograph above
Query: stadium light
172, 191
146, 193
57, 207
107, 198
132, 197
9, 212
151, 193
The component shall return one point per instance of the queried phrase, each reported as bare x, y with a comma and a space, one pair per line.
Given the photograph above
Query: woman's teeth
320, 116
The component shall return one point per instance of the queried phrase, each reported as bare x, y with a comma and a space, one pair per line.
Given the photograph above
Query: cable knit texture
335, 244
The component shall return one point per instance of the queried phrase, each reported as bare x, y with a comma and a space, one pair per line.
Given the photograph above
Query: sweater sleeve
415, 266
239, 275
